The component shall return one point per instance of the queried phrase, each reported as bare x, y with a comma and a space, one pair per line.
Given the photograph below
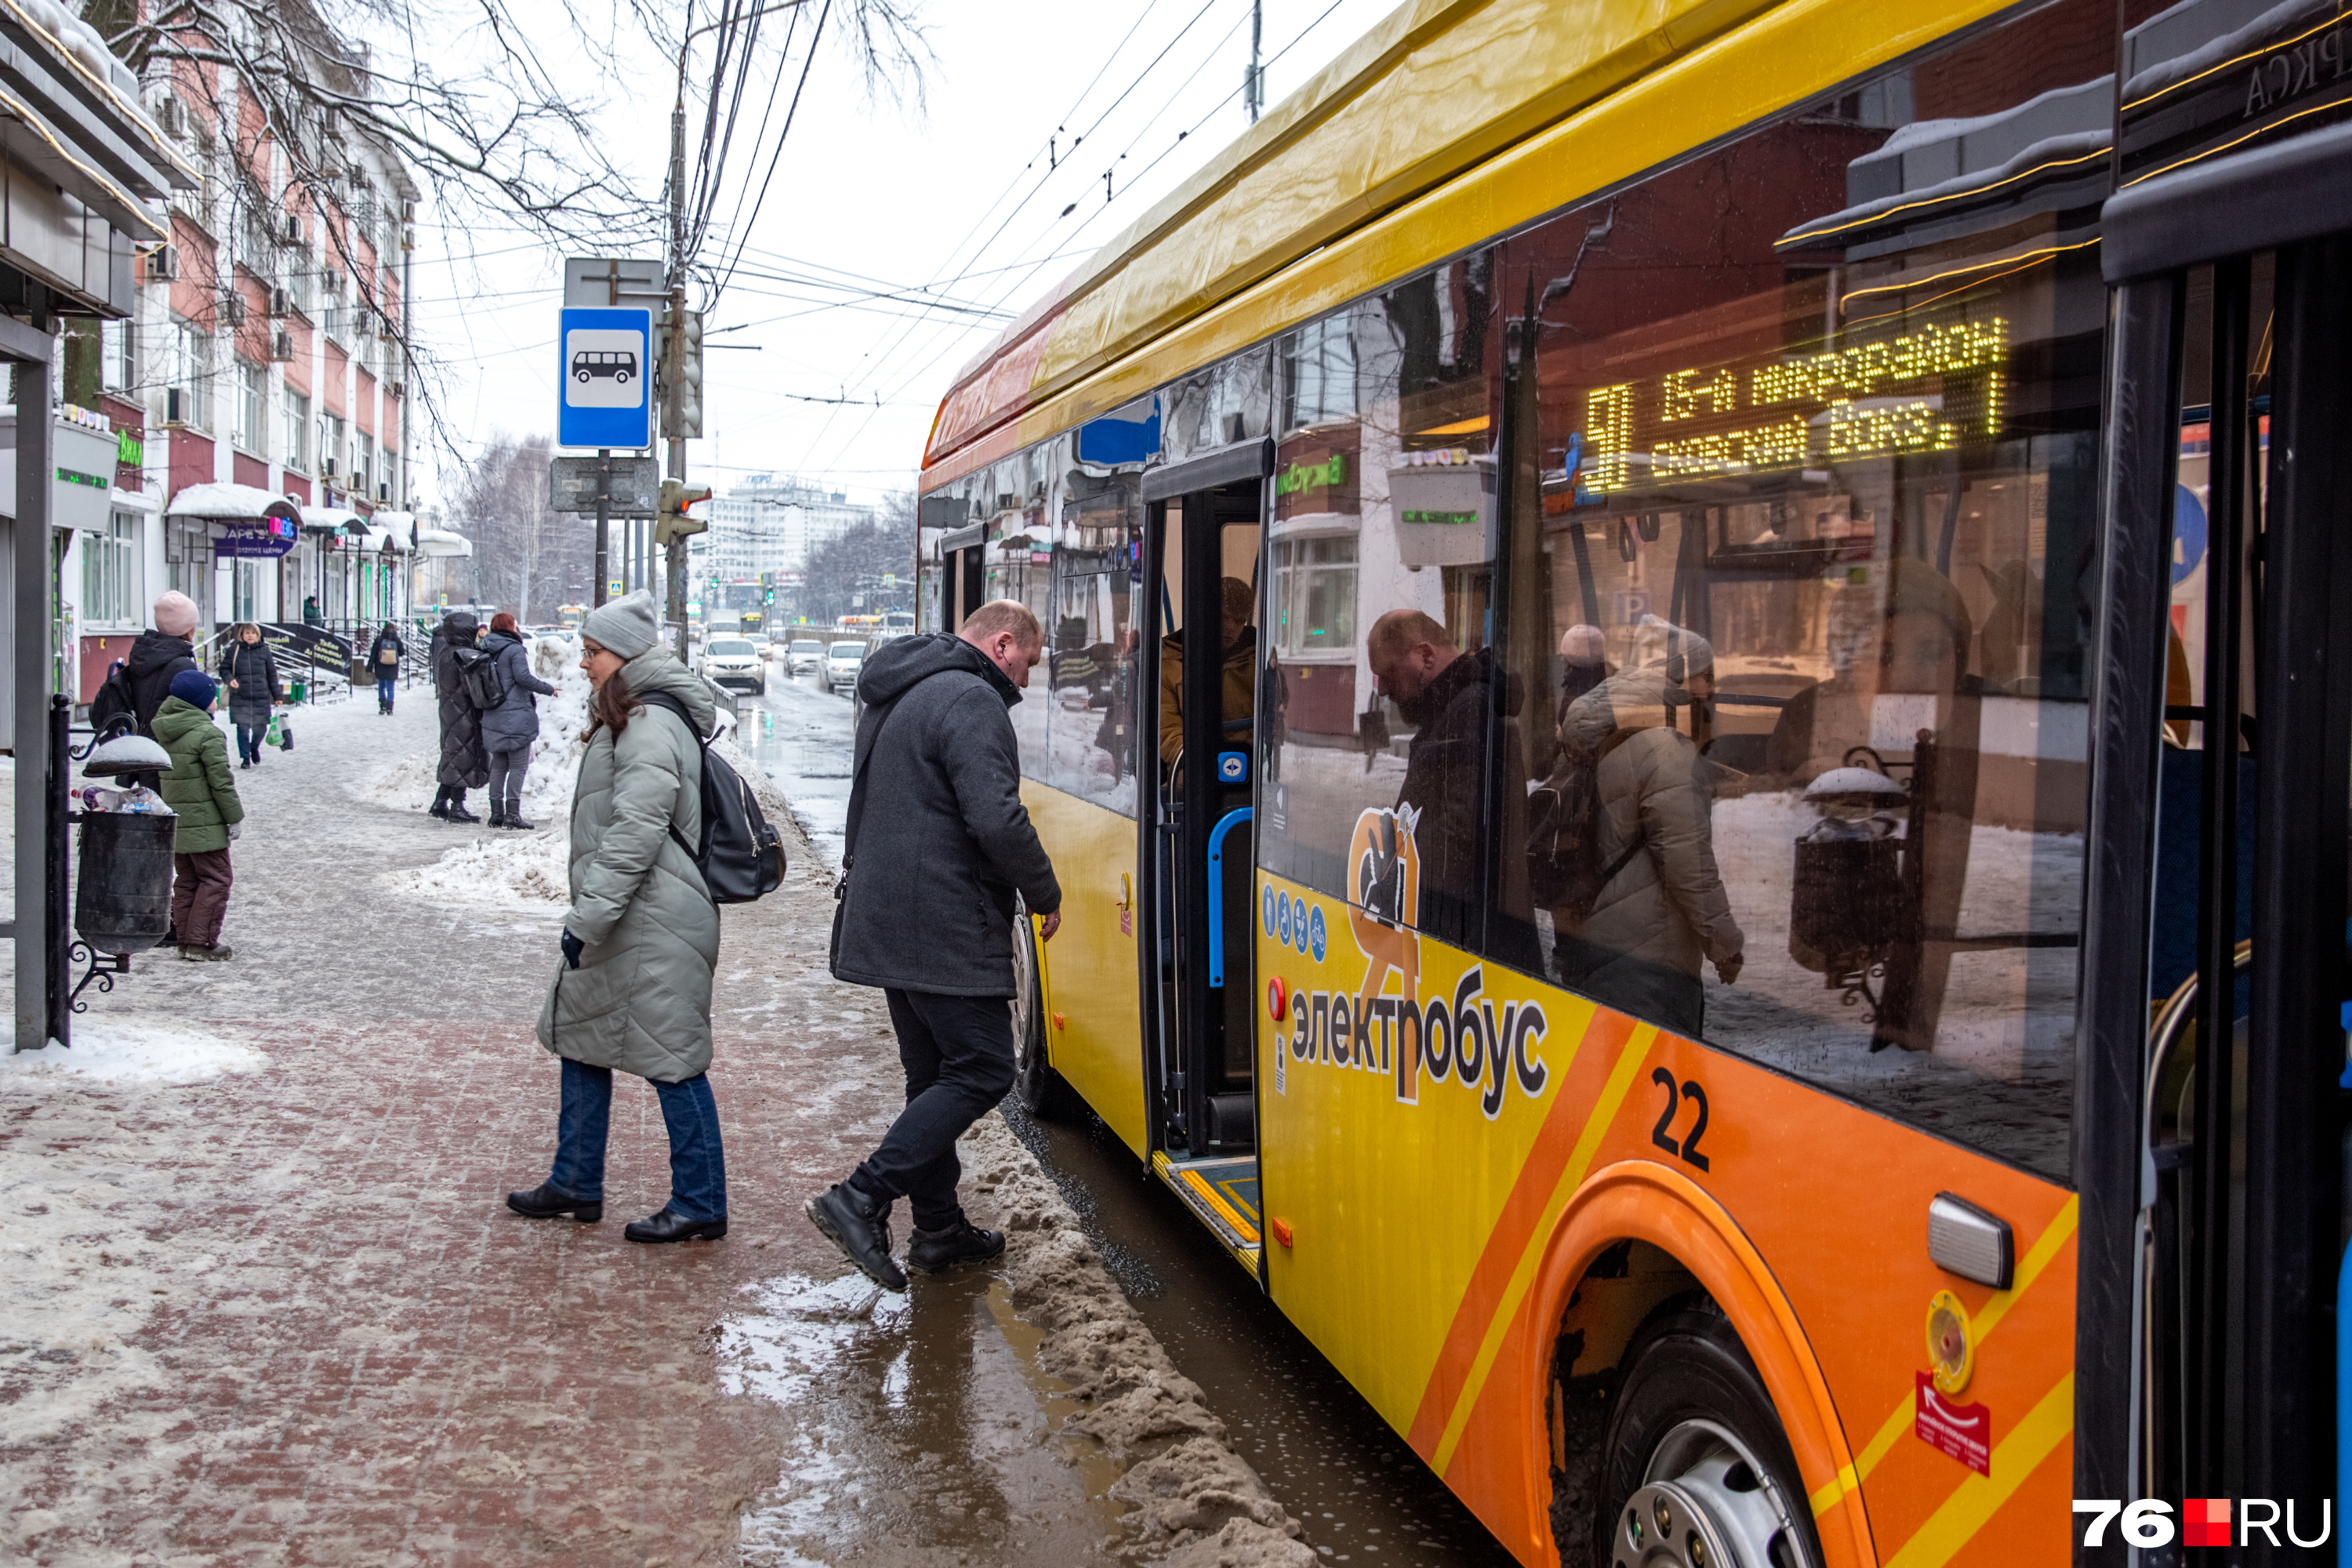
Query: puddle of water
923, 1430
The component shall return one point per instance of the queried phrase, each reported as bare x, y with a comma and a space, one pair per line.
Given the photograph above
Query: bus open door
1205, 527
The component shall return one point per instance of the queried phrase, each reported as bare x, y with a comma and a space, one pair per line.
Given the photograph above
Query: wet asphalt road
1363, 1496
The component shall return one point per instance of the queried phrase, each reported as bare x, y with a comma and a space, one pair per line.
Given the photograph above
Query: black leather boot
860, 1226
671, 1225
930, 1251
543, 1202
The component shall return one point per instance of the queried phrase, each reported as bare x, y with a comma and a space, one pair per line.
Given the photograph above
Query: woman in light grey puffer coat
633, 989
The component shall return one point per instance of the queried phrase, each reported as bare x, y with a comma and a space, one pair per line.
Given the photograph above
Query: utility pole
1254, 85
604, 524
674, 370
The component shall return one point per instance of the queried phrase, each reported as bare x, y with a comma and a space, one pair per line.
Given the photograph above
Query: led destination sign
1929, 391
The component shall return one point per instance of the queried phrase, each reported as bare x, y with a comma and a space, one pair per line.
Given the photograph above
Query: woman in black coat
250, 672
464, 764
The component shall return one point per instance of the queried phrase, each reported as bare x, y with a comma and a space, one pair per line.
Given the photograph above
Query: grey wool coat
941, 842
640, 1000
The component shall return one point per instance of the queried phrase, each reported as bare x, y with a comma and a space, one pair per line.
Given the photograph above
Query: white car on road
735, 661
843, 660
804, 653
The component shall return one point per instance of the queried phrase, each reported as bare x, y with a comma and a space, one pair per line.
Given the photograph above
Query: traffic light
682, 405
673, 521
771, 596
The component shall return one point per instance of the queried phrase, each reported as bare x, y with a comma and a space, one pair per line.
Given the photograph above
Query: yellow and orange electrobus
1692, 646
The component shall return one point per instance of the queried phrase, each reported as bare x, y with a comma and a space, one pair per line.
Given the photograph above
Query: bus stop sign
607, 367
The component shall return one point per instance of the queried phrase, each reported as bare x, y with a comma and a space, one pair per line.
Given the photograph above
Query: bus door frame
1170, 1045
2222, 213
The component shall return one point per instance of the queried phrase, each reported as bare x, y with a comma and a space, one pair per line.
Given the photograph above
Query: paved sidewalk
282, 1317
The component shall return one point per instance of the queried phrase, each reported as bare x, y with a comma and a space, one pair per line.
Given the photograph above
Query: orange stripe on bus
1507, 1240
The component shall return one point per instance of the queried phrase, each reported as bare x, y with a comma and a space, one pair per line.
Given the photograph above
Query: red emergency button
1277, 1000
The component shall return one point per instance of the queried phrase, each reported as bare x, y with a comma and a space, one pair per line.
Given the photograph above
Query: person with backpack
1660, 907
632, 991
510, 722
250, 672
936, 825
201, 793
136, 687
463, 764
384, 658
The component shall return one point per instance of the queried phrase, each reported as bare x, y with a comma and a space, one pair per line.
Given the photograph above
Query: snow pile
1193, 1502
91, 1242
125, 1049
499, 869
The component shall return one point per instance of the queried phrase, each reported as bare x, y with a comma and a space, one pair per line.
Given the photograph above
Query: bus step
1222, 1195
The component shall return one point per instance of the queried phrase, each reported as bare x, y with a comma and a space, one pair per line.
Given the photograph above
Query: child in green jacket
201, 790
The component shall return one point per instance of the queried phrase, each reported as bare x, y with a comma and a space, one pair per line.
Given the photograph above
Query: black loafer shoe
543, 1202
930, 1251
861, 1229
671, 1225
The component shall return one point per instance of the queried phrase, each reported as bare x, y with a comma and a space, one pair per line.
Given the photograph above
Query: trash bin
1847, 906
122, 881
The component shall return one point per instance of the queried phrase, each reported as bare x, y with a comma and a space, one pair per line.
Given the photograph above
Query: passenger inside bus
1238, 636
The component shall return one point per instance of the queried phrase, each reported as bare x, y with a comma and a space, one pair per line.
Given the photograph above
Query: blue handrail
1225, 825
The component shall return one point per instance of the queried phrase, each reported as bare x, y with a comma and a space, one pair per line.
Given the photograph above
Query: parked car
804, 653
843, 660
734, 661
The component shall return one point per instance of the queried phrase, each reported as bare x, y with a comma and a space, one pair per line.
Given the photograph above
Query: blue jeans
249, 741
697, 1170
383, 688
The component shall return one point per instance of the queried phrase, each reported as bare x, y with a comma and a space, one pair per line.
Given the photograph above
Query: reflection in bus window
1018, 564
1806, 515
1384, 485
1093, 661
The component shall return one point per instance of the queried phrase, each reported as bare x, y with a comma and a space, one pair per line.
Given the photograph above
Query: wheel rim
1024, 998
1706, 1501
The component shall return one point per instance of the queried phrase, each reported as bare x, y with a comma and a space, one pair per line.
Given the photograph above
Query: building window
297, 453
1315, 596
363, 464
110, 574
189, 397
330, 445
118, 366
247, 429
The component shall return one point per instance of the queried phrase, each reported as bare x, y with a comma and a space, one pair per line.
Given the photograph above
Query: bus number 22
1688, 1148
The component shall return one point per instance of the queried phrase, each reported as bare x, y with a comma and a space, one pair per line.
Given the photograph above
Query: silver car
806, 655
735, 661
843, 660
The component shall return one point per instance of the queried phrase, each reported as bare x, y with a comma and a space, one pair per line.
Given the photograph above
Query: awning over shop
378, 540
232, 503
334, 519
441, 542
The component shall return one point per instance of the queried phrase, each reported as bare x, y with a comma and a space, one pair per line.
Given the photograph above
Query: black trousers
957, 1053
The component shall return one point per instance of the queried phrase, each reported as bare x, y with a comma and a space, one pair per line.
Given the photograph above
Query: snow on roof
231, 503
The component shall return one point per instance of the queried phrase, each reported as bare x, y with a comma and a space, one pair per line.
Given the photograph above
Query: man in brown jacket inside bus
1238, 637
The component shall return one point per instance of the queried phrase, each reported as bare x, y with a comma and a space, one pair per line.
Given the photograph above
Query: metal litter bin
122, 881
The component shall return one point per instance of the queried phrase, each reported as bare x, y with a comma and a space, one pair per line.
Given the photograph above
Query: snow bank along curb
1193, 1503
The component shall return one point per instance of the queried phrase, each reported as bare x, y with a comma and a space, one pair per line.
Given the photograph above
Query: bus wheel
1696, 1472
1039, 1088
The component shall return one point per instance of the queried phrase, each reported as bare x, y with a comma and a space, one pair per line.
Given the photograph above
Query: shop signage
264, 539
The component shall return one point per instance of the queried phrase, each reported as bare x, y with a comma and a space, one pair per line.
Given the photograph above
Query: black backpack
1564, 869
742, 858
479, 678
114, 699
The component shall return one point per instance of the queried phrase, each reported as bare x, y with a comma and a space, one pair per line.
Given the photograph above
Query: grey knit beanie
628, 626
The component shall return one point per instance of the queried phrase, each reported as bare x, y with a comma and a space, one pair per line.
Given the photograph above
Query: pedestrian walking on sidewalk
200, 789
249, 671
509, 729
463, 764
383, 657
936, 825
632, 992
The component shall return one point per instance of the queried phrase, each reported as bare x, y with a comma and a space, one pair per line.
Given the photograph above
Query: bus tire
1040, 1089
1695, 1470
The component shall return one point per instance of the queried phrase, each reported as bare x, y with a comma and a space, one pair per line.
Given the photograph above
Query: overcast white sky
958, 195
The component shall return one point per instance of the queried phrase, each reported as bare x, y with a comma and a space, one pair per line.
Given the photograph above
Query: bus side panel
1440, 1223
1092, 1034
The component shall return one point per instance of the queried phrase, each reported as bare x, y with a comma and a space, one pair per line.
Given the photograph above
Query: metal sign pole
37, 902
603, 521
